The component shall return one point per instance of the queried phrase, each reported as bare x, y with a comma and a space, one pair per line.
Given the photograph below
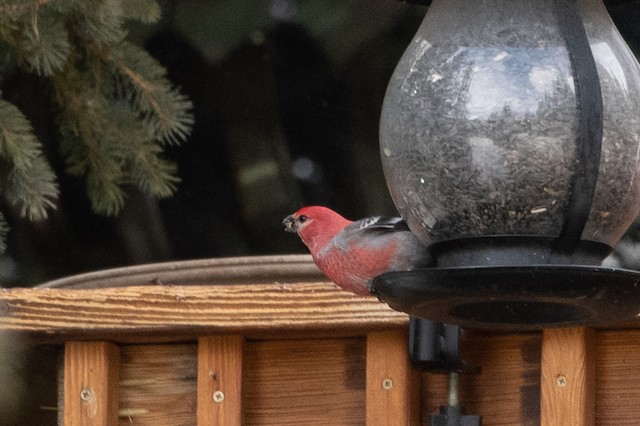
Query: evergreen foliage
116, 109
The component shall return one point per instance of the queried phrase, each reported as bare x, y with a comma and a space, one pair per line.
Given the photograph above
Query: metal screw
387, 384
561, 381
218, 396
85, 394
453, 399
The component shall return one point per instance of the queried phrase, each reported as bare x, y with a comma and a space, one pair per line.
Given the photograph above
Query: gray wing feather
376, 226
380, 224
382, 229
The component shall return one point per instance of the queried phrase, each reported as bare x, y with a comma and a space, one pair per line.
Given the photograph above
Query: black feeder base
514, 283
514, 297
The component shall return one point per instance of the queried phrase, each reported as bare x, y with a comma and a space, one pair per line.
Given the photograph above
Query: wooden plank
304, 382
568, 377
144, 310
158, 384
393, 392
507, 389
618, 378
91, 383
220, 380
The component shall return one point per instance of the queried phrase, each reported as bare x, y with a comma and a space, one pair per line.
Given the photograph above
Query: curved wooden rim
230, 270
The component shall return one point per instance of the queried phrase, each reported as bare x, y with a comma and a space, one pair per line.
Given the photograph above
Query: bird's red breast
354, 269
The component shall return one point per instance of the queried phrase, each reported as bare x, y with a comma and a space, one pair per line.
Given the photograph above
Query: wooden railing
266, 340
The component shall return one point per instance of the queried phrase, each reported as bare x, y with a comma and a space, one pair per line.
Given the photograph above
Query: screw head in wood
561, 381
387, 384
85, 394
218, 396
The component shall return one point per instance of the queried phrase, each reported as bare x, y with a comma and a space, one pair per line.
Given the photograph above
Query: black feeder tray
515, 283
514, 297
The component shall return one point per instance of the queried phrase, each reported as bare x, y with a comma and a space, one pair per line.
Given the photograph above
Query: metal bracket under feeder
435, 347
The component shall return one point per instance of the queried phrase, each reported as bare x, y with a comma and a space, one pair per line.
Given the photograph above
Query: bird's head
315, 225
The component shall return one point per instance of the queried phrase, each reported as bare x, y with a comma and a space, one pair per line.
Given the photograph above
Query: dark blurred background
287, 96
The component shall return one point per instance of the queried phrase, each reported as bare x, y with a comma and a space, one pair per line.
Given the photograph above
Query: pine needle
165, 111
33, 190
152, 174
106, 142
44, 42
4, 230
18, 143
97, 21
145, 11
31, 185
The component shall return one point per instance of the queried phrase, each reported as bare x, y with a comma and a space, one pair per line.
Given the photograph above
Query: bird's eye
302, 218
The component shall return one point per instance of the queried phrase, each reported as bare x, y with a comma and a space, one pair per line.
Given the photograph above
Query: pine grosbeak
350, 253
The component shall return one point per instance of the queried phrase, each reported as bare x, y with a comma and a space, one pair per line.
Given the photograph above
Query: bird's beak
290, 224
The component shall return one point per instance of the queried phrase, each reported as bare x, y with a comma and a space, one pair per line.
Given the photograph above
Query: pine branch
145, 11
32, 184
106, 142
14, 9
36, 33
151, 173
165, 111
86, 155
44, 43
18, 144
33, 190
91, 147
106, 195
99, 22
117, 107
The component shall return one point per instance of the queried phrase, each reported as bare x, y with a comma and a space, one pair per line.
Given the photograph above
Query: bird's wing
372, 230
379, 224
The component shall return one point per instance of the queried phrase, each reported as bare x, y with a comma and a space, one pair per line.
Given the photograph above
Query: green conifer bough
115, 107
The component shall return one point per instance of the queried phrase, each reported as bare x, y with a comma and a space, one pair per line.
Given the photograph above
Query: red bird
352, 253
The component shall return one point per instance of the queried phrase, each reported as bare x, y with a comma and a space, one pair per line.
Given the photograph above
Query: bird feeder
510, 141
